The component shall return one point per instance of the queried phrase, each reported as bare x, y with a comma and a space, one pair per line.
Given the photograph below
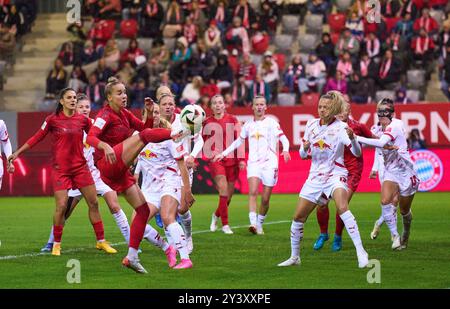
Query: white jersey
157, 162
187, 140
263, 137
397, 160
378, 162
327, 149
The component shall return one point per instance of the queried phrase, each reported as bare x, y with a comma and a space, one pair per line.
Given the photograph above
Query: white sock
51, 238
132, 254
176, 231
253, 217
260, 221
352, 229
407, 221
186, 220
296, 238
153, 237
380, 220
169, 237
122, 223
389, 212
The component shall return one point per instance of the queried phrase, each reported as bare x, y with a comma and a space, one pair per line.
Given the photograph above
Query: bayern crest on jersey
428, 167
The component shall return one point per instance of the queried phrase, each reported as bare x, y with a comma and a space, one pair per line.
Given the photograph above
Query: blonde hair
163, 123
161, 91
112, 81
337, 102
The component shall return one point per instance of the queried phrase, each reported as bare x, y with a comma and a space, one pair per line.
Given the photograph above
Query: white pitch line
14, 257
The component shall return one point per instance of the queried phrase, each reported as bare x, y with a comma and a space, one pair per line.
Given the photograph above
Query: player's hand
306, 146
190, 162
350, 133
390, 147
286, 156
110, 154
10, 167
218, 157
242, 165
12, 157
373, 175
148, 104
189, 199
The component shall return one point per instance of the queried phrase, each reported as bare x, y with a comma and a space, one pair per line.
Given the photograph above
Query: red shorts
117, 176
76, 179
230, 172
353, 179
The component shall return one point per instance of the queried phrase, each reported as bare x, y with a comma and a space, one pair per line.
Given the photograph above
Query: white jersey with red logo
187, 140
263, 137
327, 143
157, 162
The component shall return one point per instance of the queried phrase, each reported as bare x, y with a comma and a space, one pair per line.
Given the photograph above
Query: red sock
137, 228
154, 135
223, 208
57, 232
323, 215
339, 225
217, 212
99, 230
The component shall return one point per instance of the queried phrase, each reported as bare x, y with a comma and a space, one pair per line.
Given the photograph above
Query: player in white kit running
263, 134
324, 141
399, 174
7, 150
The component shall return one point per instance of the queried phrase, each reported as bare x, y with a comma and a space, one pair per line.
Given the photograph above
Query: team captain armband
99, 123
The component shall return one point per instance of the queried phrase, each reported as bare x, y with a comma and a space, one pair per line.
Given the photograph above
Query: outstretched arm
379, 143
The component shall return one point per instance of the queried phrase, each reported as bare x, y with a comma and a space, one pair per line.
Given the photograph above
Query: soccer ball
192, 117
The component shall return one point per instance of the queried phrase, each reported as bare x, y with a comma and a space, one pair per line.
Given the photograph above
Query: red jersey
210, 128
113, 128
67, 140
355, 164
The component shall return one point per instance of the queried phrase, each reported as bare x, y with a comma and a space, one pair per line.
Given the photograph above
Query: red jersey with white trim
327, 149
218, 134
352, 163
67, 140
263, 137
397, 160
113, 128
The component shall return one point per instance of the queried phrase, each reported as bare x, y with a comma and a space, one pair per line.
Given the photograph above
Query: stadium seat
439, 16
290, 24
122, 44
145, 44
310, 98
280, 59
415, 79
384, 94
170, 43
308, 42
336, 22
314, 23
343, 5
286, 99
283, 42
413, 95
128, 28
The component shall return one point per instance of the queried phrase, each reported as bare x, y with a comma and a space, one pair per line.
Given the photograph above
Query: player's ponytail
59, 106
112, 81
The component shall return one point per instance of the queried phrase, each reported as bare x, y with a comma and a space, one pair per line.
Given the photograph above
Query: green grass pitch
223, 261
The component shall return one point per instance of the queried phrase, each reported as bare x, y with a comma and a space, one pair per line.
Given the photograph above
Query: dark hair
59, 106
82, 97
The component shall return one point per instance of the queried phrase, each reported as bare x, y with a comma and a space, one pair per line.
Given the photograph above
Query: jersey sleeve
177, 150
138, 168
277, 129
344, 136
365, 131
3, 131
244, 131
136, 123
307, 132
393, 131
41, 133
100, 124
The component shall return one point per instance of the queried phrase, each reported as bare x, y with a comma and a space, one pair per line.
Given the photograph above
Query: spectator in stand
426, 22
197, 16
111, 54
404, 27
191, 93
15, 20
141, 70
259, 88
294, 72
389, 71
237, 36
164, 80
358, 89
190, 31
438, 4
245, 12
223, 74
66, 54
204, 103
444, 37
228, 99
415, 141
337, 83
95, 92
315, 73
213, 39
356, 26
110, 9
102, 71
195, 68
89, 54
152, 16
325, 50
320, 7
407, 7
248, 69
138, 94
345, 65
159, 57
7, 41
372, 45
269, 71
395, 42
241, 93
233, 61
78, 39
368, 70
131, 52
422, 49
182, 52
131, 9
360, 7
205, 57
126, 73
209, 89
174, 20
347, 42
220, 14
268, 17
401, 96
56, 79
78, 79
389, 8
260, 40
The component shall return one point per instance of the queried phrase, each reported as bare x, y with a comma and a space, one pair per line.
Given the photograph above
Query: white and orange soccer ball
192, 117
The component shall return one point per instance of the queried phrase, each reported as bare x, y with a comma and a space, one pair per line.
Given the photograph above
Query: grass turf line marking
14, 257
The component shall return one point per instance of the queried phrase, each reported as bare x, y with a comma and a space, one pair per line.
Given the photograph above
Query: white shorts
268, 175
101, 187
321, 193
169, 189
1, 171
407, 181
